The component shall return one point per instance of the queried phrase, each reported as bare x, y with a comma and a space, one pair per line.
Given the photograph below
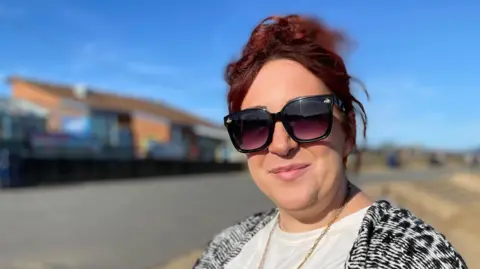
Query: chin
294, 199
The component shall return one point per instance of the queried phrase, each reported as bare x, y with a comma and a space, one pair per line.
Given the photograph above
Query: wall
220, 140
144, 126
17, 127
22, 90
148, 127
209, 148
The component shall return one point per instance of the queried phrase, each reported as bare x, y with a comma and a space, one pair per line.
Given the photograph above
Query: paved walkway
129, 224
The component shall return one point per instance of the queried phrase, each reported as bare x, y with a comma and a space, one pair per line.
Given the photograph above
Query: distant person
393, 159
292, 113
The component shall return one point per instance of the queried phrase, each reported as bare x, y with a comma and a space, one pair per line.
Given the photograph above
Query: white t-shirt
287, 250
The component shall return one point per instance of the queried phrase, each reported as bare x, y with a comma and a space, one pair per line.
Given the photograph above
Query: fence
22, 166
34, 171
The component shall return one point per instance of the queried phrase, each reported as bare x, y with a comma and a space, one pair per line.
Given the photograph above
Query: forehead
280, 81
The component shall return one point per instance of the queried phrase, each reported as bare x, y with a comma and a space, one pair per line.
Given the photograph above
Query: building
148, 128
19, 118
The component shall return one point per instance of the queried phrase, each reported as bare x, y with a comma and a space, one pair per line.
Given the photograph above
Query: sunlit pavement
132, 224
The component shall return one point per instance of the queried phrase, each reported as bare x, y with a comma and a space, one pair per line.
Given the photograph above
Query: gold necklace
315, 244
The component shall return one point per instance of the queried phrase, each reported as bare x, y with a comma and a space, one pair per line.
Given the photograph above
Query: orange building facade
116, 120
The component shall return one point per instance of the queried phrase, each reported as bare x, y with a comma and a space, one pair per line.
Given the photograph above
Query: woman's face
320, 163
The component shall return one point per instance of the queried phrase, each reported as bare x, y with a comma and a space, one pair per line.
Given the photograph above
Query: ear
350, 140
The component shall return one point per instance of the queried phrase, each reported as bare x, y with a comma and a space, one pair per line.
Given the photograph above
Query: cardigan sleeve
395, 238
426, 248
228, 243
404, 241
216, 247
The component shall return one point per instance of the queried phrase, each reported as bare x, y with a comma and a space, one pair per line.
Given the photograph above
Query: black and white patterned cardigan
389, 237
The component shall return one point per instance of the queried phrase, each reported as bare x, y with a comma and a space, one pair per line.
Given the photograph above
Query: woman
292, 113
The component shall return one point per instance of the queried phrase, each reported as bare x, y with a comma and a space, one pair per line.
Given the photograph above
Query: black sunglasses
306, 119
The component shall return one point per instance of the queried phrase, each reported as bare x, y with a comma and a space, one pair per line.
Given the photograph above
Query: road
130, 224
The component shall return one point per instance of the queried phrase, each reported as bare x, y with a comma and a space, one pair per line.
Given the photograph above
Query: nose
282, 144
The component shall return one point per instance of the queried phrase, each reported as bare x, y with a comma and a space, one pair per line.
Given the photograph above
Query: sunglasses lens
308, 118
250, 129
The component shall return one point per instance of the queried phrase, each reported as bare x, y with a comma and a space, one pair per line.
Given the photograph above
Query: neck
318, 215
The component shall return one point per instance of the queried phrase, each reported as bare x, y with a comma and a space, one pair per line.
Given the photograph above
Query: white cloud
95, 54
214, 84
151, 69
392, 97
399, 87
86, 56
98, 51
402, 110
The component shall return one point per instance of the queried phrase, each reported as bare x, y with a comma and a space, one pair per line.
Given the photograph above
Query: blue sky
418, 59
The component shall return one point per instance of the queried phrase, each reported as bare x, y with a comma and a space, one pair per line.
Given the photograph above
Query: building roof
102, 100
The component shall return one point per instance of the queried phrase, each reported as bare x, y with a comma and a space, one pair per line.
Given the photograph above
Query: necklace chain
315, 244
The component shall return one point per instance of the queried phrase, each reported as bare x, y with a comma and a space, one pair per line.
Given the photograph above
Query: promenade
137, 224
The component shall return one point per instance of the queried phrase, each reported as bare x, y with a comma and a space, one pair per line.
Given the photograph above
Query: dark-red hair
302, 39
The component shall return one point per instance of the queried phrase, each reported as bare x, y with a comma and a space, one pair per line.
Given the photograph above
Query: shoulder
229, 242
399, 239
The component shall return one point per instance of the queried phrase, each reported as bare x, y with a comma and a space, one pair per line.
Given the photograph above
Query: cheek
258, 173
255, 162
330, 151
325, 153
336, 139
328, 164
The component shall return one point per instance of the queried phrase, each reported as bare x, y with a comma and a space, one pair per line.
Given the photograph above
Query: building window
177, 134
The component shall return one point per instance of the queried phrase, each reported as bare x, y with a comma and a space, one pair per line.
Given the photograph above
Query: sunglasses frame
328, 99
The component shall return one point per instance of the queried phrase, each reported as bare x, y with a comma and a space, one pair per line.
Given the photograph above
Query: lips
290, 172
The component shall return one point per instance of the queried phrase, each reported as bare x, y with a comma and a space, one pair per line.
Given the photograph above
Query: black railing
22, 166
21, 171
